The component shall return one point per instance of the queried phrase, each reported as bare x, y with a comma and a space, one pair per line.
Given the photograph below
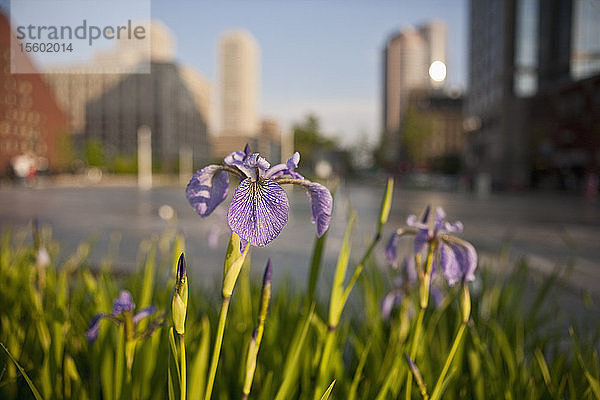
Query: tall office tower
534, 71
238, 79
408, 56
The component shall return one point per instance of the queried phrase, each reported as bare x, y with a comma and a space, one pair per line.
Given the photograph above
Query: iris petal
293, 161
145, 312
458, 262
258, 211
207, 189
391, 250
450, 264
321, 204
470, 261
123, 303
92, 333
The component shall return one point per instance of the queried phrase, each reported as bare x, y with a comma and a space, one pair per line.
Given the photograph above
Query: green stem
217, 347
438, 385
424, 301
413, 351
183, 367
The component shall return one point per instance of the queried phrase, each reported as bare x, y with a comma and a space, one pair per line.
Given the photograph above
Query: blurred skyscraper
533, 107
408, 56
239, 82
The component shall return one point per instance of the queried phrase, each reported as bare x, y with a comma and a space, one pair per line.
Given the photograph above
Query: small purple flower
456, 257
259, 209
123, 307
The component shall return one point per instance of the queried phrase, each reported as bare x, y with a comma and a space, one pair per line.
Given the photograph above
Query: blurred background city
478, 98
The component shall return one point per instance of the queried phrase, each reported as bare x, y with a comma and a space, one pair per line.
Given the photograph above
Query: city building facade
31, 121
408, 56
164, 101
527, 62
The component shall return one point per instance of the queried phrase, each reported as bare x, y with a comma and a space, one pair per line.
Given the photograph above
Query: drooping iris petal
92, 333
470, 260
258, 211
458, 262
321, 204
450, 266
207, 189
391, 250
145, 312
123, 303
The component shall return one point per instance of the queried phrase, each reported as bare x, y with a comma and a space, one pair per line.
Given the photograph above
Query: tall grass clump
430, 322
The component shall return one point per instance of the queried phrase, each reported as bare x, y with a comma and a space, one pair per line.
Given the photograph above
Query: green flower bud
180, 297
465, 303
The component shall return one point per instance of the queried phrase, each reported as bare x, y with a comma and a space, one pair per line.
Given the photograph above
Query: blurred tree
416, 134
309, 141
125, 164
65, 152
94, 153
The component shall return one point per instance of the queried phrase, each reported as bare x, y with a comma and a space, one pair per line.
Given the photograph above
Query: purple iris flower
123, 307
259, 207
456, 257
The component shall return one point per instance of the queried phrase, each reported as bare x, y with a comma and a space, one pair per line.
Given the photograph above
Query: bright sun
437, 71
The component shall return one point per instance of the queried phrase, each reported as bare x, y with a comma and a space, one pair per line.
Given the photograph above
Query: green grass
516, 345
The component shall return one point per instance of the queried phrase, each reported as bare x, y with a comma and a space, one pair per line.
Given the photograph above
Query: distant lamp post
437, 71
144, 158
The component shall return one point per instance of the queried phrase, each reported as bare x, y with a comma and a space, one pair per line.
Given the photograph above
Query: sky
317, 56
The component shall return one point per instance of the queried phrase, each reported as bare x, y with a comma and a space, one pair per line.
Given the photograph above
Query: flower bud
265, 296
465, 303
180, 297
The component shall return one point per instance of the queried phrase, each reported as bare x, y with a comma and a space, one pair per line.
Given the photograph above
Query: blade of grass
291, 368
358, 373
32, 387
328, 391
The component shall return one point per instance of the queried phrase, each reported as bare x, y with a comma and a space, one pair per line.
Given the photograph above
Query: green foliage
513, 346
94, 153
309, 140
65, 151
416, 134
125, 164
